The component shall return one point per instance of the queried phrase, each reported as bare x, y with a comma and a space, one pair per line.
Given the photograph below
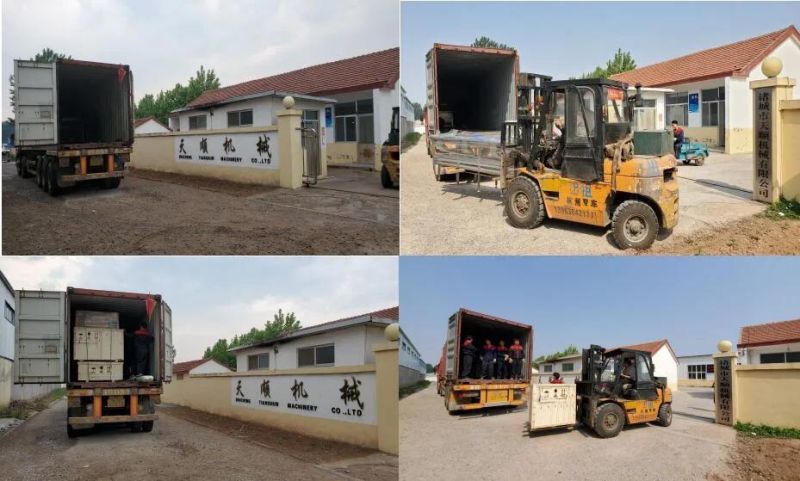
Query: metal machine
390, 153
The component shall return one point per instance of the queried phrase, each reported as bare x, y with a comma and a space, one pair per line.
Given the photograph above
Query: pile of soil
763, 459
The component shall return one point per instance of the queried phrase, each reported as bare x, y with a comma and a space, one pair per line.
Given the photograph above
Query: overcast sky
166, 41
217, 297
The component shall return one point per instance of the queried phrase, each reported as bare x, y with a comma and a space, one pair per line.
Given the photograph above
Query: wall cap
786, 366
789, 104
773, 82
293, 372
289, 113
386, 346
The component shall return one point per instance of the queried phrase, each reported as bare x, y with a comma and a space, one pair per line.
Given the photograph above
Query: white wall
409, 356
666, 366
151, 127
352, 347
209, 367
696, 118
558, 366
752, 355
264, 110
7, 329
685, 361
384, 100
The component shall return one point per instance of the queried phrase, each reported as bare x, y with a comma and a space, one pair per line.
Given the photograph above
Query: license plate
95, 161
116, 402
497, 396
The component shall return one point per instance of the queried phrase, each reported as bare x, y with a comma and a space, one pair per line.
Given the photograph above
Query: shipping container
74, 122
471, 392
102, 390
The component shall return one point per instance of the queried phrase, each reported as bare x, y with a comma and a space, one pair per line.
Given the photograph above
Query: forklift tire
147, 426
51, 182
524, 203
609, 420
665, 415
111, 183
386, 179
634, 225
700, 160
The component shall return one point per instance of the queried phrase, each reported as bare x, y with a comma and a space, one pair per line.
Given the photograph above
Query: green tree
567, 351
621, 62
159, 106
418, 110
429, 368
486, 42
45, 56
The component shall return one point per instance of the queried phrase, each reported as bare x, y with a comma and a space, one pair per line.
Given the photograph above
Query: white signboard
256, 149
341, 397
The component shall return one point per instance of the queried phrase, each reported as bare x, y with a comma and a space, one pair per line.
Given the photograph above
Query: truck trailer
86, 339
74, 122
470, 392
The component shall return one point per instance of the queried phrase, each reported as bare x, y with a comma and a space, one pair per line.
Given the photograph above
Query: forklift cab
636, 364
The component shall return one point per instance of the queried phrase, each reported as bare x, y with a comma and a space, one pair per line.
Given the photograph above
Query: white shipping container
98, 344
552, 405
99, 370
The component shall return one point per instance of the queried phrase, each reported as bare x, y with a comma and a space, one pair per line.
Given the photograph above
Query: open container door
169, 350
41, 337
36, 106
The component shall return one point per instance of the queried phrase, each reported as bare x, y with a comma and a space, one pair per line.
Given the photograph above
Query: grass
767, 431
23, 409
409, 390
410, 140
784, 209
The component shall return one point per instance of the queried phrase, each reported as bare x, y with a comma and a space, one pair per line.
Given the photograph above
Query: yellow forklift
390, 154
570, 156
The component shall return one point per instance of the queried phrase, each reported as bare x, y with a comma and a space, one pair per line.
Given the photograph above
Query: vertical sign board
763, 147
253, 149
724, 390
694, 103
328, 117
341, 397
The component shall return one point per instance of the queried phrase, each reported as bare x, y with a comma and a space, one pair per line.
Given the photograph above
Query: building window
713, 106
9, 313
354, 122
240, 118
567, 366
698, 371
316, 356
547, 368
677, 108
311, 119
197, 122
258, 361
780, 357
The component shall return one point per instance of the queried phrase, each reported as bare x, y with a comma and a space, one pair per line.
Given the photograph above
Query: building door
721, 124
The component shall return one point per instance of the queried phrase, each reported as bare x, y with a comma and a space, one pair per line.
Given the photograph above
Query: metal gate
311, 155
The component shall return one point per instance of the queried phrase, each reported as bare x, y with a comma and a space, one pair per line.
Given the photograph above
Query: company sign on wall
256, 149
349, 398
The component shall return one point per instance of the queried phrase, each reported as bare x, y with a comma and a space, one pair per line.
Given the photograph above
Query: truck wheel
524, 205
609, 420
665, 415
136, 427
111, 183
386, 179
634, 225
147, 426
39, 176
19, 168
51, 182
72, 433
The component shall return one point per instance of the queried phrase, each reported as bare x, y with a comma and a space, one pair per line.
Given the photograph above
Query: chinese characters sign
724, 391
341, 397
763, 148
257, 149
694, 103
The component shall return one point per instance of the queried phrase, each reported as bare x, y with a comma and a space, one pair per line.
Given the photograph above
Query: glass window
697, 371
567, 366
793, 357
305, 357
642, 369
346, 108
197, 122
580, 121
364, 106
240, 118
773, 358
310, 119
547, 368
366, 129
615, 111
677, 108
710, 368
316, 356
9, 313
325, 355
258, 361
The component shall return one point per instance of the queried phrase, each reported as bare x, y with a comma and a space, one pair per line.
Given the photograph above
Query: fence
790, 169
768, 394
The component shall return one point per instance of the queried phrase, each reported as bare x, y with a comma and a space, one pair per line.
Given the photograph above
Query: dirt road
176, 449
152, 213
445, 218
497, 446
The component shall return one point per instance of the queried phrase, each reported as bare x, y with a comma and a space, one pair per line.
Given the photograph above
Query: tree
45, 56
486, 42
418, 110
621, 62
161, 105
567, 351
429, 368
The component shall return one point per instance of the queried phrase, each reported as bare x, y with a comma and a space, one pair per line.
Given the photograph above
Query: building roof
370, 71
569, 356
382, 317
770, 334
184, 367
139, 122
6, 283
652, 347
737, 59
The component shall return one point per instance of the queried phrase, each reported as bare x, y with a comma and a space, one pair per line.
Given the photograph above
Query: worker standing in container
468, 354
501, 360
517, 354
487, 371
141, 346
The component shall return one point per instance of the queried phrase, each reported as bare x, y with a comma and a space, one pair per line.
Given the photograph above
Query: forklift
570, 156
390, 154
618, 388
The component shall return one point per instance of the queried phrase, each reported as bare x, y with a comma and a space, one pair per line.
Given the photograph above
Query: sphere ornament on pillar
288, 102
771, 67
724, 346
392, 332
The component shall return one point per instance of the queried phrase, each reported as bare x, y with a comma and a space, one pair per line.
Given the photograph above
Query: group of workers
496, 361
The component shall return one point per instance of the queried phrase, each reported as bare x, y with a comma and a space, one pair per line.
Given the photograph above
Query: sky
165, 42
567, 39
217, 297
694, 302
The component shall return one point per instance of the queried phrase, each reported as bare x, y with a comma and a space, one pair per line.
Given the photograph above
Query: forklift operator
627, 375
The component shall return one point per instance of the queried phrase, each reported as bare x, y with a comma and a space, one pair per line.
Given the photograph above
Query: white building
651, 115
406, 114
199, 366
7, 341
711, 96
345, 342
696, 370
412, 367
775, 342
568, 367
348, 102
664, 360
149, 125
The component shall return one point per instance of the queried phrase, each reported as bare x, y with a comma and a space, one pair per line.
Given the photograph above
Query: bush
784, 209
767, 431
409, 140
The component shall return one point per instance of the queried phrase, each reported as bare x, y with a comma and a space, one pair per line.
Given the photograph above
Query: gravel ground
154, 213
444, 218
495, 445
177, 449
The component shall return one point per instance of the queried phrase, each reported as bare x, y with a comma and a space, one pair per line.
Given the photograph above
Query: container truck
470, 392
74, 122
87, 339
471, 93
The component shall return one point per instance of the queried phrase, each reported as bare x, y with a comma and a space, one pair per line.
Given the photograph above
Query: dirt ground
765, 459
183, 445
756, 235
156, 213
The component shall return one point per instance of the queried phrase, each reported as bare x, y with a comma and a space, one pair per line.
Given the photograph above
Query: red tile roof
184, 367
735, 59
373, 70
770, 334
652, 347
139, 122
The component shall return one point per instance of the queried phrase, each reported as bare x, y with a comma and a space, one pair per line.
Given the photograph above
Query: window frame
8, 309
238, 114
567, 366
363, 111
677, 100
257, 358
314, 349
547, 368
195, 117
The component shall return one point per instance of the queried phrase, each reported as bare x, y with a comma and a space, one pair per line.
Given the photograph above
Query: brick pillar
290, 145
725, 384
387, 380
